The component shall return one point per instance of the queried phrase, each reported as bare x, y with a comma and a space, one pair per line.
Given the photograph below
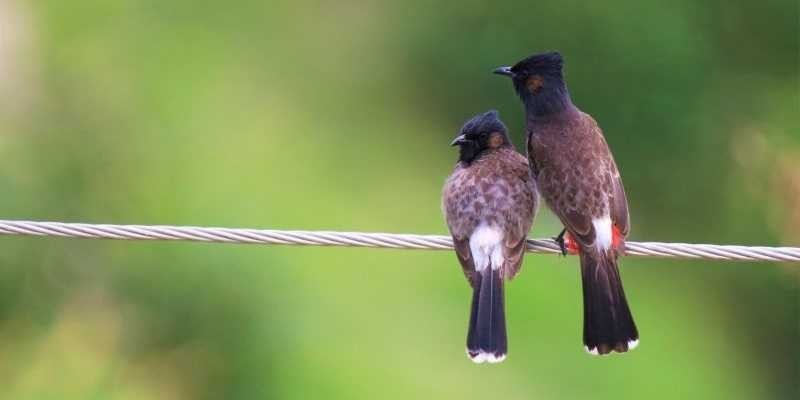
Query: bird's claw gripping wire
566, 243
560, 242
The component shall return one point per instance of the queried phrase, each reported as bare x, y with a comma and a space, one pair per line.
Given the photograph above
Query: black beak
459, 140
503, 71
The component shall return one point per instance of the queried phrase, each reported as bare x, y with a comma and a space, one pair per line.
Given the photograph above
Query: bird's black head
482, 132
539, 82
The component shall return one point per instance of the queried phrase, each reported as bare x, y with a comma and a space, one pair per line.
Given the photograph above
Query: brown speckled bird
579, 180
489, 202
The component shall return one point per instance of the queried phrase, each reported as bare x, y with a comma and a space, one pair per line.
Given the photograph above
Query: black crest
475, 136
485, 123
539, 82
542, 64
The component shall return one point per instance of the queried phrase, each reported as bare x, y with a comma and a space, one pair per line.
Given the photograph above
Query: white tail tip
632, 344
481, 356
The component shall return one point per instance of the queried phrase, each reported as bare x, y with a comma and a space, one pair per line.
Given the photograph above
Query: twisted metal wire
359, 239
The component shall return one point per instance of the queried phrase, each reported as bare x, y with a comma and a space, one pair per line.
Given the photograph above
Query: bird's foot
566, 243
560, 242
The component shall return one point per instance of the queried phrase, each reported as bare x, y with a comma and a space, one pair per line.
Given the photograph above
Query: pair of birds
490, 201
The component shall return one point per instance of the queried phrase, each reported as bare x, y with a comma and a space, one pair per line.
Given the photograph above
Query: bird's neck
471, 158
550, 102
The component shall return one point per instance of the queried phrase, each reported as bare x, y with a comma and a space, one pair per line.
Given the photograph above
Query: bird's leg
560, 241
566, 243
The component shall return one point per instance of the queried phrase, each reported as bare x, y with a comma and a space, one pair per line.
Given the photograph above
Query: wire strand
379, 240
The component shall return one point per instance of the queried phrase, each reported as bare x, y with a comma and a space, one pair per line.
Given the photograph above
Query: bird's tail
486, 338
607, 321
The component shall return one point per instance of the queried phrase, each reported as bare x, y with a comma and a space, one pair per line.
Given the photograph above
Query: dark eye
473, 135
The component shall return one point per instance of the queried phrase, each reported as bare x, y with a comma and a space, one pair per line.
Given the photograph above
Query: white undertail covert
486, 245
602, 230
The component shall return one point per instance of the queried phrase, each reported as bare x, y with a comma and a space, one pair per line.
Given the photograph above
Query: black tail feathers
486, 338
607, 321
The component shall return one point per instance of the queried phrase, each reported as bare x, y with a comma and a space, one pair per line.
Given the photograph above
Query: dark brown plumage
489, 202
579, 180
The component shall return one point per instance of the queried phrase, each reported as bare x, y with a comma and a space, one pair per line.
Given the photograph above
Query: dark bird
579, 180
489, 202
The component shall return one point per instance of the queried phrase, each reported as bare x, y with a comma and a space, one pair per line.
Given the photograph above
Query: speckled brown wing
618, 202
497, 189
524, 200
514, 252
619, 207
465, 259
457, 196
577, 175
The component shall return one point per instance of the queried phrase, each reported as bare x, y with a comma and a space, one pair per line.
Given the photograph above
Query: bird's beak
459, 140
503, 71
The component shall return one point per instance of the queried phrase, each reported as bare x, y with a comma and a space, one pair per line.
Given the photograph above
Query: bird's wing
597, 190
525, 197
619, 206
579, 225
513, 252
464, 255
618, 203
459, 222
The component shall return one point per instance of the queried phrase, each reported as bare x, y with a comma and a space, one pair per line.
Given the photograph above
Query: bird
489, 202
579, 181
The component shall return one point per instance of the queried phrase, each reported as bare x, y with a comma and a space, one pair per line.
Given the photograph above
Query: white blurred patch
632, 344
477, 358
486, 245
494, 359
602, 231
483, 356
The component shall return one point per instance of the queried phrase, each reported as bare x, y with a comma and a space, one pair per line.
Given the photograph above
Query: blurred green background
337, 116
